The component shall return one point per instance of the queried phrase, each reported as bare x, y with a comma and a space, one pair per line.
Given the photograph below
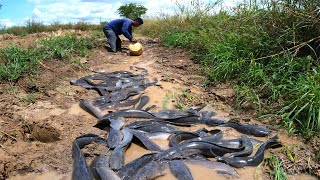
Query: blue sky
17, 12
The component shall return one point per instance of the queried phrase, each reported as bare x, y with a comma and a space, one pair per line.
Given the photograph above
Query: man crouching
114, 28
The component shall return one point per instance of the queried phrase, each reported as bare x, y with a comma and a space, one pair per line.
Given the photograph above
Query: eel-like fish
144, 100
213, 121
129, 113
124, 94
248, 148
115, 135
216, 134
174, 114
81, 82
151, 170
80, 169
152, 126
249, 129
159, 136
118, 104
185, 150
250, 161
145, 140
87, 106
101, 170
186, 137
127, 171
180, 170
117, 155
135, 113
101, 100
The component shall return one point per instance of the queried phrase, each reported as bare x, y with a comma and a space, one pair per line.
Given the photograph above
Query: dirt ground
37, 131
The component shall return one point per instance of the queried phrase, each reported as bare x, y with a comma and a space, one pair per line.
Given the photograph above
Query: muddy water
77, 110
198, 172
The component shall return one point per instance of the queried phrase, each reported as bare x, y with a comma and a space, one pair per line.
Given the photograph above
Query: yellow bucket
135, 49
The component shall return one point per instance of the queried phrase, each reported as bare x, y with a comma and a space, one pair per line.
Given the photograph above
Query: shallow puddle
75, 109
134, 60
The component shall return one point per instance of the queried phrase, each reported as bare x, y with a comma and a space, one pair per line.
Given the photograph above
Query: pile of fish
184, 147
117, 89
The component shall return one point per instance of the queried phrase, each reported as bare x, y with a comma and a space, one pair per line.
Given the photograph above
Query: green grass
29, 98
16, 61
166, 100
181, 100
276, 170
268, 51
66, 46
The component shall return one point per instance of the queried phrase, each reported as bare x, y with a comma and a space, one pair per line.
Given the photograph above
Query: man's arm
127, 31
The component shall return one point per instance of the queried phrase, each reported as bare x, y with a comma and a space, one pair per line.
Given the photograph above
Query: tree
131, 10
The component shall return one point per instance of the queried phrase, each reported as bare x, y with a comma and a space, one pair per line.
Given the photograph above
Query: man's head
137, 22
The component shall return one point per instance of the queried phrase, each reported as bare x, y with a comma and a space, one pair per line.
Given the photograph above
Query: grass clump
65, 46
180, 100
268, 49
276, 170
16, 61
29, 98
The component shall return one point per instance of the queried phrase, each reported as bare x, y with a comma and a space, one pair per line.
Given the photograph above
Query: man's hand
134, 40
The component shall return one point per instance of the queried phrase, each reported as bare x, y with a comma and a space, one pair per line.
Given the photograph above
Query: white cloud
158, 7
92, 11
36, 12
6, 23
73, 11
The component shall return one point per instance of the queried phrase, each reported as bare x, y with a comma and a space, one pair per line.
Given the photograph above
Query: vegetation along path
40, 114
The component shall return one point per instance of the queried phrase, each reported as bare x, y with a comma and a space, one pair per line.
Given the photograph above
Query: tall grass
17, 61
270, 50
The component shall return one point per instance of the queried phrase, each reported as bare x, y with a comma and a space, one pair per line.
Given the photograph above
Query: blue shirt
121, 26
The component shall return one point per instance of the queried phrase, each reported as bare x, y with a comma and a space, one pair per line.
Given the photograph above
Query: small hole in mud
43, 133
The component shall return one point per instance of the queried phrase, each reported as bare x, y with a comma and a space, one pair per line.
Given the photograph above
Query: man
114, 28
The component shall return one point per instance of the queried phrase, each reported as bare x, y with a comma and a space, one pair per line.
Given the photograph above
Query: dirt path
36, 137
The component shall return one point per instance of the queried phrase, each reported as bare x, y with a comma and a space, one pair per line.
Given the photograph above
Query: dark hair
138, 20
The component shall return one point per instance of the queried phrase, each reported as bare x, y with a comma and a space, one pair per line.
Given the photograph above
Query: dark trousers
113, 40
